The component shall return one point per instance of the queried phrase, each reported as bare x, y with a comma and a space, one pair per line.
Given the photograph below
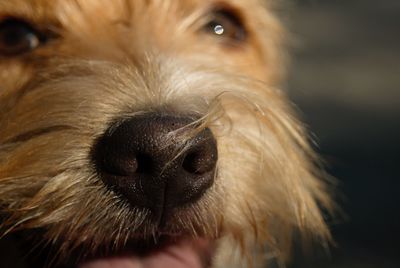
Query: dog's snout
160, 162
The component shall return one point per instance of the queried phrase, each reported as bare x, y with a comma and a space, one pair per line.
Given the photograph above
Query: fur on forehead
93, 13
113, 28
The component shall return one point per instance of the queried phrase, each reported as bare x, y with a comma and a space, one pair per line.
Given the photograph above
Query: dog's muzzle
157, 161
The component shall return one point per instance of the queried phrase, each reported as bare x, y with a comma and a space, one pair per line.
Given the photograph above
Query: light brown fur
119, 58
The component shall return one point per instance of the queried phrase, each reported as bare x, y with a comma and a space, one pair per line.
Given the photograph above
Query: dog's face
150, 133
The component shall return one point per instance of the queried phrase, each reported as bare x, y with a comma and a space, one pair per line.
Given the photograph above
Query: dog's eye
17, 37
226, 25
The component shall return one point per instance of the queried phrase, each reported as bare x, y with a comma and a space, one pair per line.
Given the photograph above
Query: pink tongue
185, 254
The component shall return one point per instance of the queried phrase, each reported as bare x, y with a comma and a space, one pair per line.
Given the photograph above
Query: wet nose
145, 164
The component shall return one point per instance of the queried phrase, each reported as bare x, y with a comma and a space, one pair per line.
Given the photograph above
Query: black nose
150, 167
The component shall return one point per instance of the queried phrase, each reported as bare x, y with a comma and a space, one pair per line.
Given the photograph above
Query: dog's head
150, 132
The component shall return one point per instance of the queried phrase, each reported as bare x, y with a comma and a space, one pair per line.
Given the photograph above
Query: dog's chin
174, 252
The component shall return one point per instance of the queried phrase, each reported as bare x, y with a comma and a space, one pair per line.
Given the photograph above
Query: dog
151, 133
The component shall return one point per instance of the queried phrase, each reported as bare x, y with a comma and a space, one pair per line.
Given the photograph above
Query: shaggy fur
108, 60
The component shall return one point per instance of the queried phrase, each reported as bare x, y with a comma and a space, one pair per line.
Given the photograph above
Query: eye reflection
226, 26
219, 29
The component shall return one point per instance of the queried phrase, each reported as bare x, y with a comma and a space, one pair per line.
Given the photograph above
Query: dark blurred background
345, 80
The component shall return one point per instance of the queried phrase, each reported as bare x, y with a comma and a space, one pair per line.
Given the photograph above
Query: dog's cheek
13, 76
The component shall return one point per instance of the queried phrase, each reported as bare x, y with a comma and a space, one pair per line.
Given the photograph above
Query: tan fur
118, 58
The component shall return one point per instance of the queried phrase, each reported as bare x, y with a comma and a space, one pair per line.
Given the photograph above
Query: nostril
191, 163
145, 163
199, 161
